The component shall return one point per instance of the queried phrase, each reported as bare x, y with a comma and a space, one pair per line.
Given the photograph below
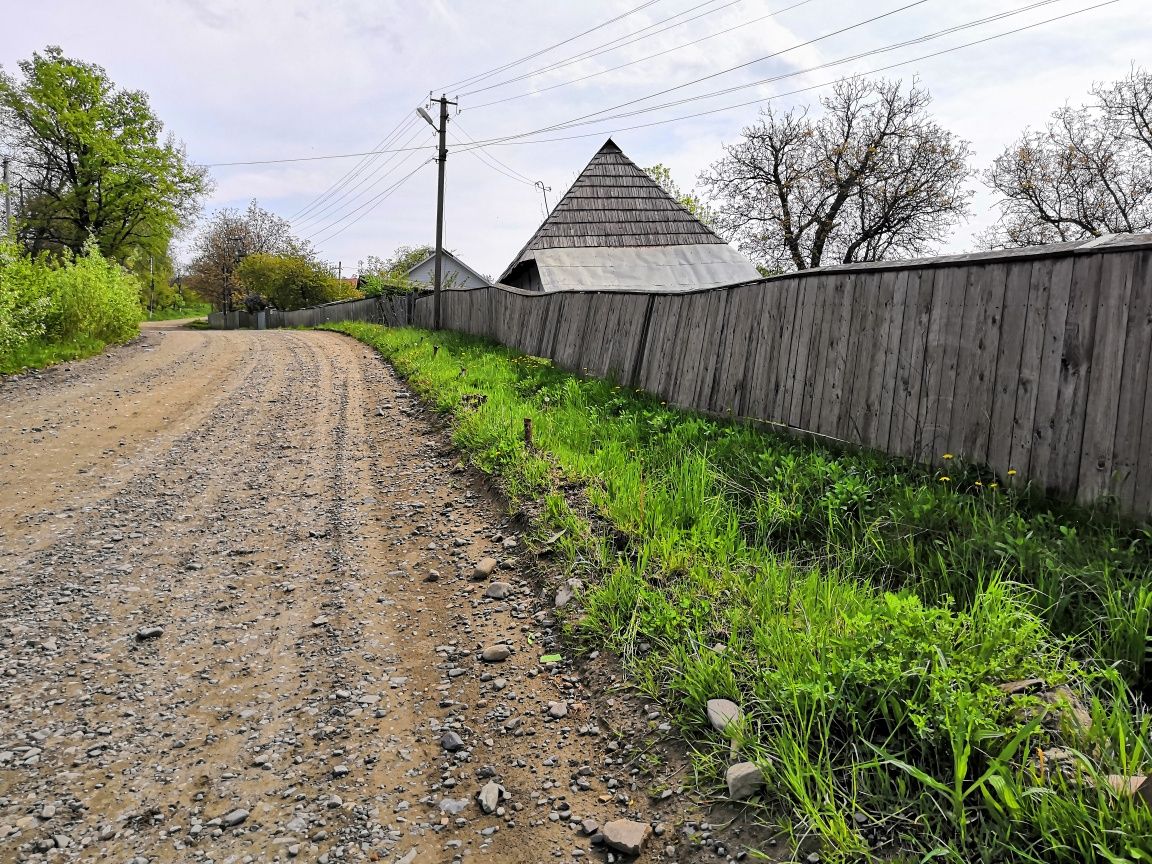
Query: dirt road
239, 621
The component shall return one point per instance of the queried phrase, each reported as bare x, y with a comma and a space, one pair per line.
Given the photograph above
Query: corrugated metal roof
615, 204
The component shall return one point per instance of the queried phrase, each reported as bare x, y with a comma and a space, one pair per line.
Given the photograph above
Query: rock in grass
496, 653
484, 568
498, 590
744, 780
1137, 787
722, 713
626, 836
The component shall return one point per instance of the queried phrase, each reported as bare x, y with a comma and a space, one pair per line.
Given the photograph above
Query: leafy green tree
692, 202
289, 281
390, 275
93, 161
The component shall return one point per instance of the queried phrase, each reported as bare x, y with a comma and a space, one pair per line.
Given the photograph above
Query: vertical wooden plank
1133, 422
850, 424
837, 366
820, 289
737, 333
1043, 432
1016, 315
876, 359
976, 290
917, 316
1102, 398
688, 377
807, 297
951, 333
886, 403
985, 345
777, 392
762, 349
1075, 368
714, 346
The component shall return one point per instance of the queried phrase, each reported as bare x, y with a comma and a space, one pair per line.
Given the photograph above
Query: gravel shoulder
240, 621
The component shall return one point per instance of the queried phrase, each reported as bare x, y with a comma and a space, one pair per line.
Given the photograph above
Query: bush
88, 300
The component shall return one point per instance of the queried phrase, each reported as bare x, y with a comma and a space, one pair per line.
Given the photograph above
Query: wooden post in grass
528, 431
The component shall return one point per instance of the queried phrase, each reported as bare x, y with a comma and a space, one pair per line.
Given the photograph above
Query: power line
516, 139
494, 163
496, 71
640, 60
774, 78
380, 199
614, 44
309, 158
351, 174
363, 186
874, 18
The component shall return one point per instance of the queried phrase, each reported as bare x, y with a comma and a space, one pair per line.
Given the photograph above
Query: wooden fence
1034, 362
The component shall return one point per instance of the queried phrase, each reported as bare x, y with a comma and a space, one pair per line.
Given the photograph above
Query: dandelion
978, 483
945, 479
1011, 472
993, 485
948, 456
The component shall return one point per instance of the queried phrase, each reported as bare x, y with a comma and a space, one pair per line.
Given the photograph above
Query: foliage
873, 178
92, 162
860, 610
226, 238
1088, 172
691, 202
290, 281
390, 275
54, 310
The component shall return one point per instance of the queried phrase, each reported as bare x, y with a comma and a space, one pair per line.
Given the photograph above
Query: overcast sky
241, 80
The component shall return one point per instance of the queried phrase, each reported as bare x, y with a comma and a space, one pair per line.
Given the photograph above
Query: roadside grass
194, 310
40, 353
862, 611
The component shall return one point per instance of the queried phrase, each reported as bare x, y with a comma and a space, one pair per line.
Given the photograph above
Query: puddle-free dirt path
238, 622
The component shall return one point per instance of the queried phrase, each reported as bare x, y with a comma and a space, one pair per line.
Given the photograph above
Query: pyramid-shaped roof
614, 203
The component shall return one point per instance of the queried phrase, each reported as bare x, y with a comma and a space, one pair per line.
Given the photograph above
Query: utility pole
442, 158
7, 199
151, 289
339, 269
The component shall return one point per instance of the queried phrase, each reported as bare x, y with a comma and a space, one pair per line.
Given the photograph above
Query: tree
92, 162
692, 202
383, 275
226, 238
1088, 172
872, 178
288, 281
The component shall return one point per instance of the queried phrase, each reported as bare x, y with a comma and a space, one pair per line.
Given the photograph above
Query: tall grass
57, 309
862, 611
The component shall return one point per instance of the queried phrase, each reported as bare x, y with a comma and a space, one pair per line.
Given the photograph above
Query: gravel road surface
240, 620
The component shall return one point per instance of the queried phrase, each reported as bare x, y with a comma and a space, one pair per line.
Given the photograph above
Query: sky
248, 80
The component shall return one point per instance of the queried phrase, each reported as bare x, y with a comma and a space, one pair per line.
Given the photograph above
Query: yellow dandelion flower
947, 456
945, 479
993, 485
978, 483
1011, 472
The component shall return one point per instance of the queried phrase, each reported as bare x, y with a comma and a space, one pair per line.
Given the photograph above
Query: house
455, 273
617, 228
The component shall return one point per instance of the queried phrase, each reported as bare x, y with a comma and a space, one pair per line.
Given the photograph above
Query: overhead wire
515, 140
928, 37
497, 70
615, 44
494, 163
367, 182
639, 60
738, 66
370, 205
355, 170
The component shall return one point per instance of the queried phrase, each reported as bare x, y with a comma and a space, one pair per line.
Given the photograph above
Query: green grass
41, 353
861, 610
195, 310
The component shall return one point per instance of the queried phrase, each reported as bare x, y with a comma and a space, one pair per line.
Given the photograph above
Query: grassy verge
40, 353
196, 310
864, 613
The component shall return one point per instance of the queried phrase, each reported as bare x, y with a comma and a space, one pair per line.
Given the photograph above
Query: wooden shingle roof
614, 203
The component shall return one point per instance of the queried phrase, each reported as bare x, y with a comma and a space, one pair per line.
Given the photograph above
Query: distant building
617, 228
455, 273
